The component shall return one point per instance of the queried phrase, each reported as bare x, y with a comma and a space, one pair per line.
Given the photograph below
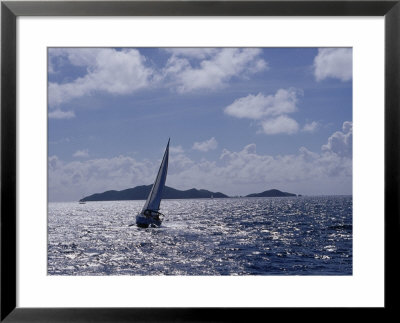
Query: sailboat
150, 215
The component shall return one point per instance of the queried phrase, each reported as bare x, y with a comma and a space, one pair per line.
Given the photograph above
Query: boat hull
145, 221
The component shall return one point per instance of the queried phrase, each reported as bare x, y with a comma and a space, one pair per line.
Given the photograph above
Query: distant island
271, 193
141, 193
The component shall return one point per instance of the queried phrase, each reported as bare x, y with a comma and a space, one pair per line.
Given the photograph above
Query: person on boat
153, 215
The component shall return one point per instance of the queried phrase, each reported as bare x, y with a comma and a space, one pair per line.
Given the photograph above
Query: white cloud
126, 71
236, 172
193, 52
207, 145
58, 114
270, 110
333, 63
259, 106
176, 149
246, 171
311, 127
108, 70
341, 142
177, 163
76, 56
215, 71
71, 180
281, 124
81, 153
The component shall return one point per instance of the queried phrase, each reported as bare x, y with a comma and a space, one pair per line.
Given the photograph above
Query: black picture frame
10, 10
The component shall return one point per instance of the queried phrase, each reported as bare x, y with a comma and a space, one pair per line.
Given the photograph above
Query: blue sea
233, 236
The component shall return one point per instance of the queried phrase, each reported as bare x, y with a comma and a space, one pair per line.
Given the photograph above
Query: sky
241, 120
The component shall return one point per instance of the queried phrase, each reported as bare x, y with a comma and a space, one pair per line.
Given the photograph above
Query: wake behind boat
150, 215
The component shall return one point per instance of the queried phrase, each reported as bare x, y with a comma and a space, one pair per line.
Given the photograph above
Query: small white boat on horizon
150, 215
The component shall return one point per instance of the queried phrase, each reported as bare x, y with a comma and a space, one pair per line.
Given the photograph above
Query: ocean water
236, 236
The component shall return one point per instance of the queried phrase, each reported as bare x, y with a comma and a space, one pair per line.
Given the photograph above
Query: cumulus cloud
70, 180
270, 110
246, 171
334, 63
207, 145
108, 70
281, 124
214, 71
341, 142
81, 153
241, 172
176, 149
311, 127
193, 52
76, 56
126, 71
58, 114
259, 106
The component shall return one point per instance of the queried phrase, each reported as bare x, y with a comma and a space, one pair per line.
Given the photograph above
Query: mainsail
154, 199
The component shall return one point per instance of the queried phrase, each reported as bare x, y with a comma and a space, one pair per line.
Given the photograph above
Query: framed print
174, 161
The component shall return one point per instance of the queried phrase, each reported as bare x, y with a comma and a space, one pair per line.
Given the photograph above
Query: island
141, 193
271, 193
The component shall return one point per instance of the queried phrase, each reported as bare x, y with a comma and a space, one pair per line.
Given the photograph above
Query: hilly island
141, 193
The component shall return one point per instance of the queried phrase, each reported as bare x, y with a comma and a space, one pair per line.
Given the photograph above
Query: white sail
154, 199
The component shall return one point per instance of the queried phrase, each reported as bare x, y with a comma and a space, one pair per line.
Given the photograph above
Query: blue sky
241, 120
